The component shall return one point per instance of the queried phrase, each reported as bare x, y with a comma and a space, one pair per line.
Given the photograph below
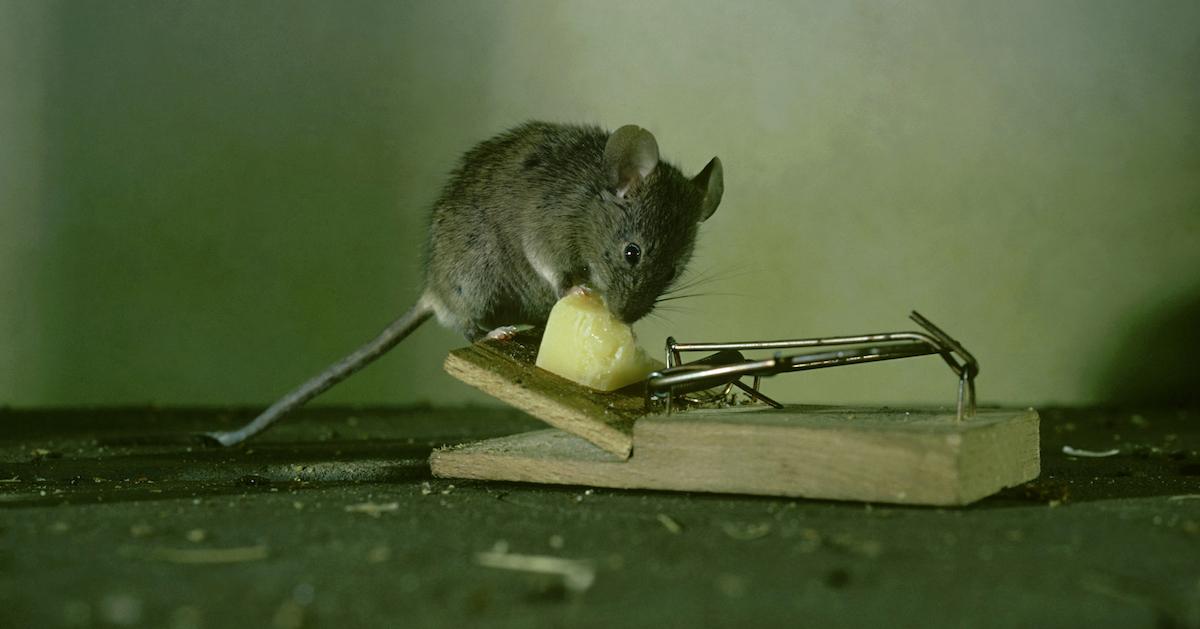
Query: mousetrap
700, 426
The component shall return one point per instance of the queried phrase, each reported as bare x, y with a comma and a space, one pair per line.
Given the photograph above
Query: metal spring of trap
728, 366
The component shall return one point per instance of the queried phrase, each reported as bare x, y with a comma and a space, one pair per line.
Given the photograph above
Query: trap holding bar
728, 365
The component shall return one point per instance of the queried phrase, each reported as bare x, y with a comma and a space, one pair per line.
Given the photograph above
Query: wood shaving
373, 509
577, 575
1090, 454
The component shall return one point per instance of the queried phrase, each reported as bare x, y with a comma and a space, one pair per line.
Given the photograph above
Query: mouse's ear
630, 156
711, 182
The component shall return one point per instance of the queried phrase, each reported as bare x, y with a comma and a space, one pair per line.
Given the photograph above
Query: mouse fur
543, 207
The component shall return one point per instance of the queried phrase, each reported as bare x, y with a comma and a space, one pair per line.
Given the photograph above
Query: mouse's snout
631, 310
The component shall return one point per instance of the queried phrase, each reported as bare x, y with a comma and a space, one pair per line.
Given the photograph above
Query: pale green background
207, 202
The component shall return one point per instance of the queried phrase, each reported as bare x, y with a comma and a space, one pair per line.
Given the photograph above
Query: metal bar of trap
728, 366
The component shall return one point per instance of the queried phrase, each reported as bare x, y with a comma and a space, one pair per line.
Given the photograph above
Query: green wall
207, 202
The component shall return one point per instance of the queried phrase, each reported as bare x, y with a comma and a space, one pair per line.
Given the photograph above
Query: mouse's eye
633, 253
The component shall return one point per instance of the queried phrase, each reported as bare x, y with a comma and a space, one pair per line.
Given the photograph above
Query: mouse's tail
342, 369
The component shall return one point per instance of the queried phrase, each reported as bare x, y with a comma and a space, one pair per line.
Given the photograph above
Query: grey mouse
526, 216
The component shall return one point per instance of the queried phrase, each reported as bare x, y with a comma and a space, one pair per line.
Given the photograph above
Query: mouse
529, 215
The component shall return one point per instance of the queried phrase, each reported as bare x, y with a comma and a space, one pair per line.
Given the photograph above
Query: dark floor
120, 518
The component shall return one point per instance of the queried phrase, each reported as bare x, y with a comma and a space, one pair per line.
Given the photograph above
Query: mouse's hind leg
477, 296
455, 312
470, 328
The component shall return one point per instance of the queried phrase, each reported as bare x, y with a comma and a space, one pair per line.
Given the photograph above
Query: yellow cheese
585, 343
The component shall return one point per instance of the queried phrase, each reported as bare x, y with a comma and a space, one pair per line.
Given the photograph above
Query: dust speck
121, 609
731, 585
379, 554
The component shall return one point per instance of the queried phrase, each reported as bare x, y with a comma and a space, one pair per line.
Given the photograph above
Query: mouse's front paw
502, 333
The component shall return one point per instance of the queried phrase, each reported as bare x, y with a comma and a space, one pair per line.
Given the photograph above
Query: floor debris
1090, 454
746, 532
236, 554
670, 524
373, 509
577, 574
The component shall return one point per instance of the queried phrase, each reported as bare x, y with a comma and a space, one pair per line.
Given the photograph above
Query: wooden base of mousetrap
874, 455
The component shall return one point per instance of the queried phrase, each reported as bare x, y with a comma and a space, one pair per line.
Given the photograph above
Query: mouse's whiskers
704, 277
691, 295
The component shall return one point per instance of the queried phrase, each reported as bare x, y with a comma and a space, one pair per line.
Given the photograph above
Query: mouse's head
647, 223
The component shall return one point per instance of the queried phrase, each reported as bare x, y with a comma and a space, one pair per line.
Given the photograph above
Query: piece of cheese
585, 343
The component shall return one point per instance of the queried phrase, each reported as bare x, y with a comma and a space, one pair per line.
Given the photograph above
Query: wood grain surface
873, 455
